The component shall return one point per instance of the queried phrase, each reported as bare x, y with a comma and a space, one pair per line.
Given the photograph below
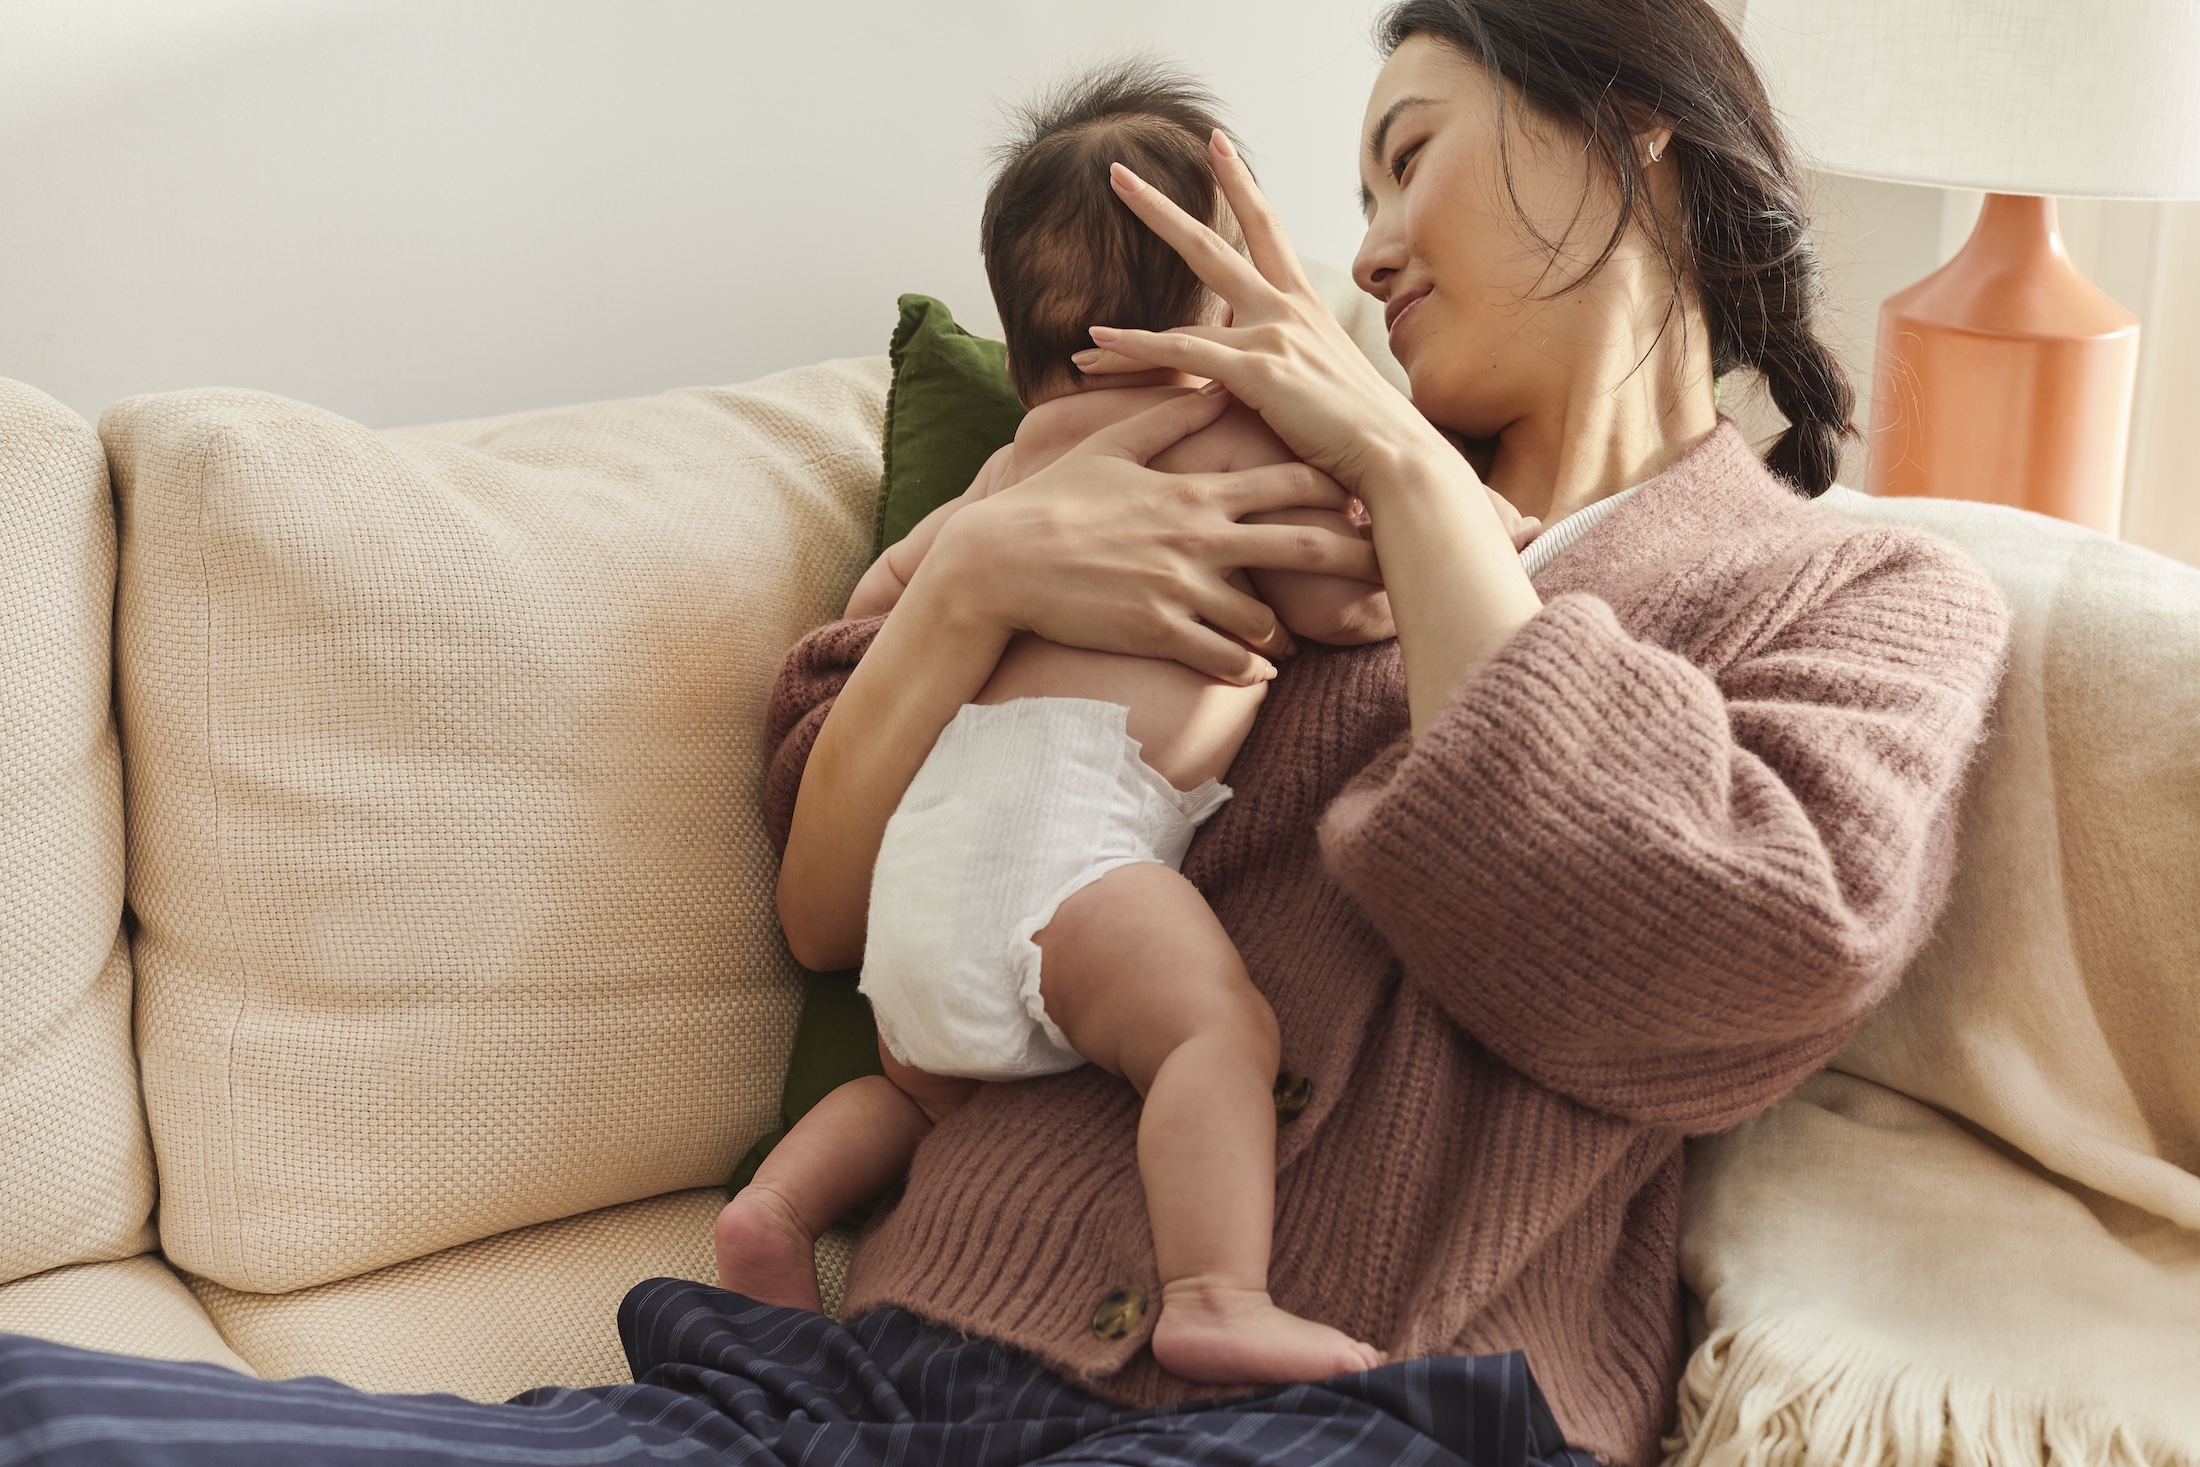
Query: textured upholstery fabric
487, 1320
134, 1306
454, 897
535, 1306
1976, 1237
76, 1174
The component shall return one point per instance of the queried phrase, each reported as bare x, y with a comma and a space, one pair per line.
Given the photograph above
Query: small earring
1653, 155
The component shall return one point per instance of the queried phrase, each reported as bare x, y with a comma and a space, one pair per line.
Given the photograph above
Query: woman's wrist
1457, 590
955, 605
1416, 461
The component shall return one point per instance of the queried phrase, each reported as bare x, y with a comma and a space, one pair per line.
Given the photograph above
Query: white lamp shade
2085, 98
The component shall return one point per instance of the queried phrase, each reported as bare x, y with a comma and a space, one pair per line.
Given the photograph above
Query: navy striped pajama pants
720, 1378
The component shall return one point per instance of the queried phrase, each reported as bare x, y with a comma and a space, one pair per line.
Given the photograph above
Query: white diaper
1019, 805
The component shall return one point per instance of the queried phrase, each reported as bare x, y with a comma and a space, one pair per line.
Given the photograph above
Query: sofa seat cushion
76, 1171
536, 1306
133, 1306
487, 1320
454, 897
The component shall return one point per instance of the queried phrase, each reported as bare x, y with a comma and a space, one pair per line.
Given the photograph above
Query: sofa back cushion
454, 898
76, 1174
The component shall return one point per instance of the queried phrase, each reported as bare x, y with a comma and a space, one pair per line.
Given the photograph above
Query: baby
1027, 913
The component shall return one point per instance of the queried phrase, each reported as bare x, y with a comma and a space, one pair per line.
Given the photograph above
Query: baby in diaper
1027, 914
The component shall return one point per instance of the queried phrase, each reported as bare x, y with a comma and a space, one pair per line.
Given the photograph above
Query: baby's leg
853, 1145
1142, 979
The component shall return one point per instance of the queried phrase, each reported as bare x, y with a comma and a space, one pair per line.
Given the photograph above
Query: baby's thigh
938, 1096
1135, 963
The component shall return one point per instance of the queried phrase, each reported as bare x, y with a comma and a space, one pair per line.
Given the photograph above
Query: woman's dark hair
1611, 67
1061, 251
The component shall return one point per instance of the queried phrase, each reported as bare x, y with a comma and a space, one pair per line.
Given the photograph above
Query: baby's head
1062, 251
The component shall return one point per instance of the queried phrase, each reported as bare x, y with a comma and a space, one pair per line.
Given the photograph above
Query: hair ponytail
1605, 66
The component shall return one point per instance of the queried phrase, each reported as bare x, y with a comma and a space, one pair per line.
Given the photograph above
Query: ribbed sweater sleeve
1666, 886
809, 679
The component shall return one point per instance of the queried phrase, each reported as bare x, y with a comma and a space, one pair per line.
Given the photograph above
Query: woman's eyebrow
1376, 139
1381, 133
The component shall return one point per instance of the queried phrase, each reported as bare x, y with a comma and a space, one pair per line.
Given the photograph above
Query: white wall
417, 209
408, 210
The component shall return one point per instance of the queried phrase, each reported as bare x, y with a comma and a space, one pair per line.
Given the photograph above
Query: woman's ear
1651, 132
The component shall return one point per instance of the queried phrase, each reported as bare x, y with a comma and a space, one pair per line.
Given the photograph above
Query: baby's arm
889, 575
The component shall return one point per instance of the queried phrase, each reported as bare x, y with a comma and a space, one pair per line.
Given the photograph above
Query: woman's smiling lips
1400, 306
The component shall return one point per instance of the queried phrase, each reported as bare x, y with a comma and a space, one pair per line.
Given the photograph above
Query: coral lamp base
2007, 376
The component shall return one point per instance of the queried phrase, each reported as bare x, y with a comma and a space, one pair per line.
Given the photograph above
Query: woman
1585, 862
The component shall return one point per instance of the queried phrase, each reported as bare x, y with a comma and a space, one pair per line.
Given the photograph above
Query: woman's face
1477, 317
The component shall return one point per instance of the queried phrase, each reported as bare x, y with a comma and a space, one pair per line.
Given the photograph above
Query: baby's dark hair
1062, 251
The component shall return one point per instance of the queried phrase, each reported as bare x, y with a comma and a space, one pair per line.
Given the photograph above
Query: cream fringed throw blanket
1976, 1237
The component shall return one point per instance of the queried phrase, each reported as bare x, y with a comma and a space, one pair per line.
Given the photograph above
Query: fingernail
1213, 387
1106, 335
1086, 357
1124, 179
1223, 147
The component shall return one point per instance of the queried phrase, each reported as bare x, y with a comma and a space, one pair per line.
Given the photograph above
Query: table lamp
2006, 375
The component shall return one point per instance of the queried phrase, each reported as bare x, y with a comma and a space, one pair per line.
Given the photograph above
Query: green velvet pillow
949, 408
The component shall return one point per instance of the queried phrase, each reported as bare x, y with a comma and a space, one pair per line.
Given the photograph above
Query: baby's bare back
1188, 725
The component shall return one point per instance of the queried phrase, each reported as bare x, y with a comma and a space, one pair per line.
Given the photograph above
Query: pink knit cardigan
1644, 873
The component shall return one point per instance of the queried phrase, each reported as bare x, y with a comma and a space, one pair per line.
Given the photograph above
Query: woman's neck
1629, 407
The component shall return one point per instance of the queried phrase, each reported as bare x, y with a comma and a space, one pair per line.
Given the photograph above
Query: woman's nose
1376, 264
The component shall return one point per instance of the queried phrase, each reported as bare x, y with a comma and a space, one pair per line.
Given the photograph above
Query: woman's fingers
1203, 649
1265, 240
1184, 349
1099, 362
1276, 486
1222, 269
1303, 548
1142, 435
1248, 618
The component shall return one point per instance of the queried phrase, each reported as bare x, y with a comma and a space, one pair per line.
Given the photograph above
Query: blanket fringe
1779, 1394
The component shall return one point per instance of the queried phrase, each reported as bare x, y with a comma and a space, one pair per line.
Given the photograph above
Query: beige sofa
427, 768
388, 971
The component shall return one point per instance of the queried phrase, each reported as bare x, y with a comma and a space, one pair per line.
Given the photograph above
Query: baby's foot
766, 1253
1221, 1335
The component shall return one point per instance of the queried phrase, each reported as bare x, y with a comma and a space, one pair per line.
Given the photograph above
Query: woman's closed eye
1403, 158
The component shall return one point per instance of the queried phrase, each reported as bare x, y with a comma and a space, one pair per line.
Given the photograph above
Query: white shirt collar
1555, 541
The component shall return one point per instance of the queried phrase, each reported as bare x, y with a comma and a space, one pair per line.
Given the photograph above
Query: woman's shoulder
1721, 508
1719, 550
1830, 532
1825, 549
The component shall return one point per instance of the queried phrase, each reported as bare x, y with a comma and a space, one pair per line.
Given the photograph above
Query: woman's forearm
929, 659
1457, 592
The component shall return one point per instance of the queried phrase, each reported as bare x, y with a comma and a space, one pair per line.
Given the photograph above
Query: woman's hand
1098, 551
1448, 545
1283, 353
1095, 550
